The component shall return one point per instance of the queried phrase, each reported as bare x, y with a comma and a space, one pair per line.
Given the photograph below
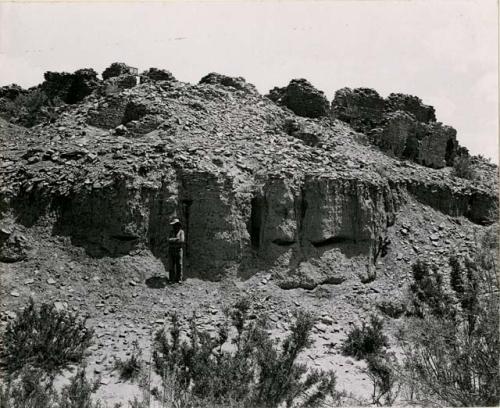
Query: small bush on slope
130, 368
365, 340
454, 357
381, 371
45, 338
257, 373
368, 342
32, 389
462, 167
428, 294
78, 393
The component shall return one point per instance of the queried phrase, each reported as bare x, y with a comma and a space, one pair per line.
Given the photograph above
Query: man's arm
179, 238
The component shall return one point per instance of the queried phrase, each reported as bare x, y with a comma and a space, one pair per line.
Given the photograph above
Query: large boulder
155, 74
398, 135
437, 144
302, 98
411, 104
117, 69
362, 108
29, 107
70, 88
11, 91
238, 83
14, 245
430, 144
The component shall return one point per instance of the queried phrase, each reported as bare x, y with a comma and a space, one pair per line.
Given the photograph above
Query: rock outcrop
308, 132
400, 124
38, 104
256, 187
411, 104
155, 74
118, 69
238, 83
301, 98
430, 144
11, 92
14, 246
69, 88
362, 108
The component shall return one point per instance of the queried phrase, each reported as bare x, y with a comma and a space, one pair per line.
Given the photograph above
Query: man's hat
175, 221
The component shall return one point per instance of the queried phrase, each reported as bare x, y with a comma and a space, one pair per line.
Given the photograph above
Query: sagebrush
366, 339
33, 388
44, 337
452, 351
249, 370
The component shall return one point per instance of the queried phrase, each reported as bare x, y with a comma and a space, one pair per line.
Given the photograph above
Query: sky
444, 51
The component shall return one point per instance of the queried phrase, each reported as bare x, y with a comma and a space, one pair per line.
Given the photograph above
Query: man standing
175, 247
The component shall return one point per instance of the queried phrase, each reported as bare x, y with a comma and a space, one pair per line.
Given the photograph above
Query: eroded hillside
336, 197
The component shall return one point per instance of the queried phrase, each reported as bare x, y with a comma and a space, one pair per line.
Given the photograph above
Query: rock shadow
157, 282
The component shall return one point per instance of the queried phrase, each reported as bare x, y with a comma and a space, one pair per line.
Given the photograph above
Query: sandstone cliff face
331, 220
255, 186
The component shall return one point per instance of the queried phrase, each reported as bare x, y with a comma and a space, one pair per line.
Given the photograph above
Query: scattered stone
321, 327
326, 320
14, 246
9, 315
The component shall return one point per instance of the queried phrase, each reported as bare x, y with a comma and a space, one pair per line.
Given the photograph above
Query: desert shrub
455, 358
130, 368
78, 393
427, 291
254, 371
462, 168
45, 338
365, 340
33, 388
383, 377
